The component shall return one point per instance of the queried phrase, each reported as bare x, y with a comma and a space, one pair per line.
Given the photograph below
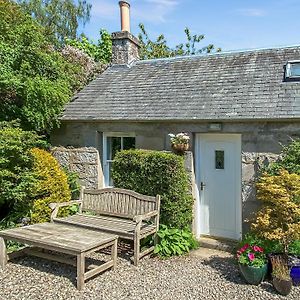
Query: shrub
279, 217
73, 181
173, 241
16, 178
289, 160
52, 186
152, 173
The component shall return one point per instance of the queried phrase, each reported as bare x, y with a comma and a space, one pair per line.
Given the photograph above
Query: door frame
198, 174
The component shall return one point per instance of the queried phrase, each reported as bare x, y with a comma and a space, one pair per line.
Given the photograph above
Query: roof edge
224, 53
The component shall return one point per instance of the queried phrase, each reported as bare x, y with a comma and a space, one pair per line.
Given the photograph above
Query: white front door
219, 184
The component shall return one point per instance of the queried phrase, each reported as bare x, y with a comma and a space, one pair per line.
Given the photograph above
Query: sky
229, 24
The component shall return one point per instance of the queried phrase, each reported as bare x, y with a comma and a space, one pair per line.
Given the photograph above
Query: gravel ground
189, 277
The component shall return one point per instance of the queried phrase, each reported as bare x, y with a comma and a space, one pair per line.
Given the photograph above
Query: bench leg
114, 253
136, 250
80, 270
3, 254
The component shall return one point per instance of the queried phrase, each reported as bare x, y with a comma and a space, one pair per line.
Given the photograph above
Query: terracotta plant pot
253, 275
180, 148
283, 287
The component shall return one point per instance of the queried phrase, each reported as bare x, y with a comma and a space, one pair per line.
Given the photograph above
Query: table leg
3, 254
80, 270
114, 253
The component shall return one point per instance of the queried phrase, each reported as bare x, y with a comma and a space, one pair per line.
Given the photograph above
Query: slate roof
246, 85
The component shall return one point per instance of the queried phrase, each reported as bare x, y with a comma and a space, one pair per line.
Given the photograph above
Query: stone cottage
238, 108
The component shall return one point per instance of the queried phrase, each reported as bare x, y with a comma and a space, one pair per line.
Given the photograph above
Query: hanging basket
180, 148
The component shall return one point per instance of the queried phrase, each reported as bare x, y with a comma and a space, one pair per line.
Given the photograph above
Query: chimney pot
125, 15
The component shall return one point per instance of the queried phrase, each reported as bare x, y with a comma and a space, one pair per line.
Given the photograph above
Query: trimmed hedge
155, 172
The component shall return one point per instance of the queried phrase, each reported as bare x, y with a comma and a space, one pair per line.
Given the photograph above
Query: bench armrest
55, 207
148, 215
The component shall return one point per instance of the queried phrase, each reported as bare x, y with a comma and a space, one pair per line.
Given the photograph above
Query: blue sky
229, 24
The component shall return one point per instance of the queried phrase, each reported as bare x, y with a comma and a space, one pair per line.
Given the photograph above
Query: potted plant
294, 264
252, 263
179, 142
282, 281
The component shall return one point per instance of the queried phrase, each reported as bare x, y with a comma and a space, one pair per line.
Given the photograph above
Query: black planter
283, 287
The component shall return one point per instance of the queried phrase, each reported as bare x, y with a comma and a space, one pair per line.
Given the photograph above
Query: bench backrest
118, 202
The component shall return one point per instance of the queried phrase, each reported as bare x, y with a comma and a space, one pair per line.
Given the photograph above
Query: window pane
128, 143
110, 181
113, 146
295, 69
219, 158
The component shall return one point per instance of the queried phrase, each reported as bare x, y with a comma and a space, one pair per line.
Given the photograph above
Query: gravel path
190, 277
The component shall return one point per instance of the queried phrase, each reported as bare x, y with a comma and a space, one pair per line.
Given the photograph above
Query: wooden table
65, 239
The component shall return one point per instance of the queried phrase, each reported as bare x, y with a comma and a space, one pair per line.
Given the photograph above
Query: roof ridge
228, 52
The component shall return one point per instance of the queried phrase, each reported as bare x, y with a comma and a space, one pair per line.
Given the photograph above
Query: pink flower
258, 249
244, 248
251, 256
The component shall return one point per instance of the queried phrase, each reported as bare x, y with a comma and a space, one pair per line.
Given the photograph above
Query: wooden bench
65, 239
129, 215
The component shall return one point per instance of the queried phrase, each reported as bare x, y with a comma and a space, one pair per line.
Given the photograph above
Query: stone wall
84, 161
252, 165
189, 167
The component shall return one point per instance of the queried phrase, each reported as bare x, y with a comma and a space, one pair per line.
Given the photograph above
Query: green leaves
60, 18
36, 79
159, 48
173, 241
155, 172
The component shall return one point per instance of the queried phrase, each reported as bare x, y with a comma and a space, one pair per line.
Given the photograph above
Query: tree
16, 162
100, 52
59, 17
36, 80
159, 48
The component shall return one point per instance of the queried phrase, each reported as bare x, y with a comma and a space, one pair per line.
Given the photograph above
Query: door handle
202, 185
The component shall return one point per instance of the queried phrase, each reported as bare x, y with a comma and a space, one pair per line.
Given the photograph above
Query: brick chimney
125, 46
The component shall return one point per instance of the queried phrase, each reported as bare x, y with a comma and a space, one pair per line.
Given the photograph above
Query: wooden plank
114, 253
146, 252
51, 257
3, 254
80, 270
98, 270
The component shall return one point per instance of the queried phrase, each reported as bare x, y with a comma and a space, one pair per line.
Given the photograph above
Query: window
219, 159
293, 70
113, 143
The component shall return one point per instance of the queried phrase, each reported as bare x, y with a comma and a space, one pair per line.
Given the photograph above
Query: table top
58, 236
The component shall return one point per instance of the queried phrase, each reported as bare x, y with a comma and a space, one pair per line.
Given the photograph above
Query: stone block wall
189, 167
252, 165
84, 161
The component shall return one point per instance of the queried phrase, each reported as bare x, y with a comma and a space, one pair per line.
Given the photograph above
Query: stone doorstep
218, 244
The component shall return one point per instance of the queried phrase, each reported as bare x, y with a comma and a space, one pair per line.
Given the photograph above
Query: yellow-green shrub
52, 185
279, 217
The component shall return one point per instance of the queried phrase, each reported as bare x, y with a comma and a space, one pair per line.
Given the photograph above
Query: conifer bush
51, 186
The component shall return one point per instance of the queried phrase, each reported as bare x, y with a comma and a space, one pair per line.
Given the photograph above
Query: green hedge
155, 172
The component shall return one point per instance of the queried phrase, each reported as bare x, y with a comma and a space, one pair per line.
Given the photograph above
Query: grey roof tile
226, 86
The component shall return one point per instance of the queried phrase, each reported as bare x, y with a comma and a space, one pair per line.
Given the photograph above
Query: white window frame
105, 160
288, 72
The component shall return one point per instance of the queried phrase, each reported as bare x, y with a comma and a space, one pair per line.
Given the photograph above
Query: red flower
244, 248
258, 249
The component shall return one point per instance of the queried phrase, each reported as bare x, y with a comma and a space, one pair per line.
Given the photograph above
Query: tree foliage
159, 48
60, 18
100, 51
16, 178
36, 80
